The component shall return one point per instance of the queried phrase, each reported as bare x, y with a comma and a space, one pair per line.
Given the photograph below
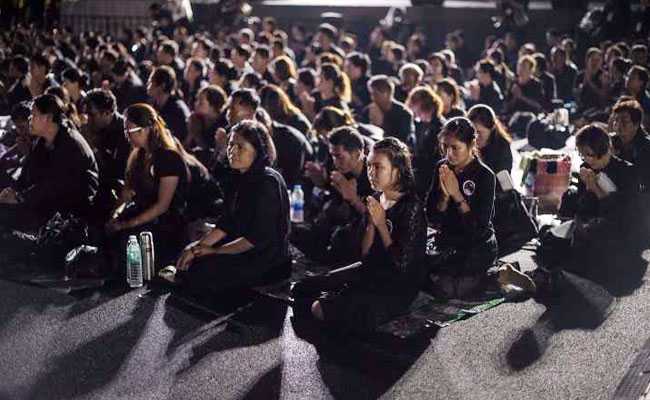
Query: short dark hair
328, 30
246, 97
460, 128
50, 104
360, 60
258, 136
263, 51
101, 99
244, 50
170, 47
347, 137
382, 83
632, 107
594, 137
641, 72
41, 60
164, 77
307, 76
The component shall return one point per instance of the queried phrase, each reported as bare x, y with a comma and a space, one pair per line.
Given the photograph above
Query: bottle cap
132, 237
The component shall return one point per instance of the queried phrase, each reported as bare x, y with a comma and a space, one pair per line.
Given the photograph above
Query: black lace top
399, 267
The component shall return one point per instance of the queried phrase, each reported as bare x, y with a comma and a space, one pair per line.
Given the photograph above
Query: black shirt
427, 153
130, 92
398, 268
637, 153
112, 152
63, 177
565, 81
300, 122
319, 103
617, 204
175, 113
588, 97
361, 96
477, 184
257, 208
497, 154
164, 163
492, 96
454, 112
548, 82
398, 122
293, 150
534, 90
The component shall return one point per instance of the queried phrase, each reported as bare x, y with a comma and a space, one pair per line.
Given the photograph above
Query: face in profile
136, 135
594, 161
241, 154
381, 173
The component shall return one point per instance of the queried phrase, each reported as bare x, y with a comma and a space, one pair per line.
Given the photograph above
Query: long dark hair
485, 116
333, 73
400, 157
276, 102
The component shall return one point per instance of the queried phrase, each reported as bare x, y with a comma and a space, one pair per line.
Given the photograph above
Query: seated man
604, 207
59, 175
331, 237
105, 131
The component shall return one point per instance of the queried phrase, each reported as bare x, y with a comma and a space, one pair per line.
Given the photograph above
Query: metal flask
148, 257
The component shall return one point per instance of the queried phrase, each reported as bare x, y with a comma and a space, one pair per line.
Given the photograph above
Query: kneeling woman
460, 205
393, 247
157, 180
253, 235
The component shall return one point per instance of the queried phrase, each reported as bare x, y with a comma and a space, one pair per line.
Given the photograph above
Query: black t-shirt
320, 103
257, 208
164, 163
175, 113
477, 184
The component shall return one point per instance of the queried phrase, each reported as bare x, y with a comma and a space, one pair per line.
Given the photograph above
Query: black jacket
63, 177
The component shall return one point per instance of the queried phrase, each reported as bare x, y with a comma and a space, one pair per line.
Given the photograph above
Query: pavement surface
139, 345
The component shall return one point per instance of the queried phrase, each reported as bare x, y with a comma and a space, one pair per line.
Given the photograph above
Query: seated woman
392, 250
253, 235
460, 205
208, 116
493, 142
157, 180
604, 214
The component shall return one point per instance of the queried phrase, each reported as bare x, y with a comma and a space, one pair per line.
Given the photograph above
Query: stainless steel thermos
148, 256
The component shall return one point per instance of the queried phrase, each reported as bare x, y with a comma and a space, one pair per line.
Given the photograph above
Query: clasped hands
449, 184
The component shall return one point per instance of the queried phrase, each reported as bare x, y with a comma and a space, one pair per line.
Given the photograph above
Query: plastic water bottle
297, 204
133, 263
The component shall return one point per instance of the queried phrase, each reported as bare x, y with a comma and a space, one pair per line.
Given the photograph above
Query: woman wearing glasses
460, 205
158, 175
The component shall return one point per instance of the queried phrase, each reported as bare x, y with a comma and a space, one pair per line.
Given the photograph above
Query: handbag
513, 223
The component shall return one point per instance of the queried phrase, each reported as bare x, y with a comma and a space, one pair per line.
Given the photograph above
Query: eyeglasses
129, 132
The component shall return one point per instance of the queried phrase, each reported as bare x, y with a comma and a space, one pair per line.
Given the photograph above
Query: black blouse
399, 267
497, 154
257, 208
477, 184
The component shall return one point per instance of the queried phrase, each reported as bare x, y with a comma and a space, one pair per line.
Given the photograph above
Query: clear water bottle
297, 204
133, 263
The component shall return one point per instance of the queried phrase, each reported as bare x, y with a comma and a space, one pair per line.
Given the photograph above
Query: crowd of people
159, 128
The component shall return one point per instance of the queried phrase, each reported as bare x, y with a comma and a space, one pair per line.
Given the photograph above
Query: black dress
257, 208
388, 279
471, 235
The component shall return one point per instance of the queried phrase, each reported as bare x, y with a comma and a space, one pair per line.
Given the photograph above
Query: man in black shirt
60, 173
260, 64
486, 90
387, 113
111, 148
547, 79
631, 142
527, 93
332, 236
565, 74
168, 55
162, 90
